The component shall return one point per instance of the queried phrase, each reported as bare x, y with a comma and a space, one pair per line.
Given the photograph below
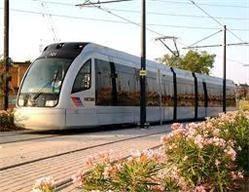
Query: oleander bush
7, 121
44, 184
137, 173
235, 127
199, 158
210, 156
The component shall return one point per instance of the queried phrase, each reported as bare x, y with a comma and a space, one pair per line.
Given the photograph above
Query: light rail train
75, 85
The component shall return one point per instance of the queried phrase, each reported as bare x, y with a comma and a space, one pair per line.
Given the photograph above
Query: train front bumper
40, 118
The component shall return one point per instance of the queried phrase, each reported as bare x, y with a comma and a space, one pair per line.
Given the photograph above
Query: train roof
164, 68
134, 61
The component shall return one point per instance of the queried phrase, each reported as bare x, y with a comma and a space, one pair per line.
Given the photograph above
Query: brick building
17, 70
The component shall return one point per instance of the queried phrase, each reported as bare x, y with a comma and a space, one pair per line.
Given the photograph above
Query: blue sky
31, 28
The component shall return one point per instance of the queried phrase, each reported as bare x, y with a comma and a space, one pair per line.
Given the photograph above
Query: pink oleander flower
176, 126
108, 171
217, 162
209, 125
37, 190
185, 158
198, 140
44, 184
90, 161
179, 131
216, 132
158, 188
99, 158
230, 153
135, 153
191, 129
166, 138
159, 156
200, 188
219, 142
111, 170
148, 153
237, 175
104, 157
78, 178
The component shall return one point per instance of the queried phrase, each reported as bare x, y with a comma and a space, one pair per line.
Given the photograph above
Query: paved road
22, 163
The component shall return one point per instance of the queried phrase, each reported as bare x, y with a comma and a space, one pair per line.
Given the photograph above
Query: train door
159, 85
116, 95
82, 112
205, 98
202, 96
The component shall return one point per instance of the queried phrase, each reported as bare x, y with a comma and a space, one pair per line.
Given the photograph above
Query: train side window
103, 83
83, 78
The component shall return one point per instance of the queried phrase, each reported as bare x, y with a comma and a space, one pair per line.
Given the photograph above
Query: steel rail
78, 150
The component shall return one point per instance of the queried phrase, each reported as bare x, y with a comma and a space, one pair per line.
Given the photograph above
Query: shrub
138, 173
235, 126
45, 184
7, 121
199, 158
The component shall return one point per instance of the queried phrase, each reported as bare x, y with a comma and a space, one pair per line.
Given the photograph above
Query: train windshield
42, 84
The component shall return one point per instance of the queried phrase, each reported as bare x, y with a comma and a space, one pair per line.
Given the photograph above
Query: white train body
74, 85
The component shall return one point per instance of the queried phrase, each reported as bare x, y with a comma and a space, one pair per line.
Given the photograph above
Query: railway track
11, 133
63, 165
13, 140
77, 150
29, 135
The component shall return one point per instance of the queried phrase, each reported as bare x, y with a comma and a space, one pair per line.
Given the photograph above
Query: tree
1, 83
199, 62
1, 77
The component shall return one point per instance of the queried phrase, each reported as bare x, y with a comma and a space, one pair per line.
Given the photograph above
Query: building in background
17, 71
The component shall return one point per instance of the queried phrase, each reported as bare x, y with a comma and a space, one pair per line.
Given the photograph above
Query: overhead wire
132, 22
127, 21
205, 4
67, 16
123, 18
205, 38
214, 19
153, 13
166, 1
232, 60
182, 15
115, 21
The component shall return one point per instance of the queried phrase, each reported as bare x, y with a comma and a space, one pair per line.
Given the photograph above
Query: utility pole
143, 72
224, 67
224, 56
143, 68
6, 53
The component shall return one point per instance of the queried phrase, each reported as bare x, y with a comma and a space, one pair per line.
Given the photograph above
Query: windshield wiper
55, 76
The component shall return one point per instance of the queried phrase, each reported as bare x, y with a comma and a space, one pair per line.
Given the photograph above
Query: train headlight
20, 101
51, 103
